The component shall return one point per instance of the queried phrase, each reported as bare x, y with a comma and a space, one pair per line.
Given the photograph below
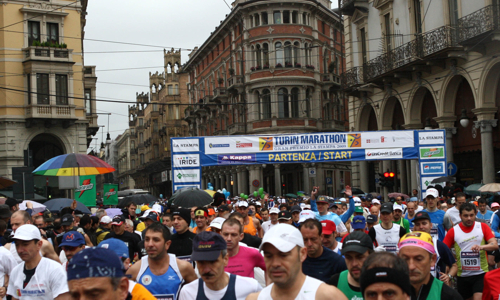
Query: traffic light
387, 179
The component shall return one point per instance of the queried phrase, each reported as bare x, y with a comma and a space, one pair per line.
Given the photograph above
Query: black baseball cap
370, 219
67, 220
386, 207
223, 208
421, 215
118, 220
153, 216
207, 246
322, 199
357, 241
284, 215
295, 208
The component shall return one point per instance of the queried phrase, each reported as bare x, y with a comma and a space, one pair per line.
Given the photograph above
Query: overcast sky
163, 23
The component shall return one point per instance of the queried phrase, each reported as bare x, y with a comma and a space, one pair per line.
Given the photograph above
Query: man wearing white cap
36, 277
273, 215
440, 221
284, 252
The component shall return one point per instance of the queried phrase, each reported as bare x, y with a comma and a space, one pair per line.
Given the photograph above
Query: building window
288, 54
33, 32
258, 56
295, 103
259, 105
251, 21
61, 89
296, 47
88, 102
308, 103
132, 164
155, 125
266, 54
323, 27
306, 52
141, 137
141, 158
266, 104
157, 151
283, 109
277, 17
155, 106
305, 20
28, 85
42, 88
170, 89
279, 53
53, 33
418, 16
132, 144
363, 45
257, 20
388, 35
264, 18
286, 17
295, 17
141, 121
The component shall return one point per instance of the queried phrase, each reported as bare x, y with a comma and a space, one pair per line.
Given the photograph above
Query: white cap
307, 206
106, 220
274, 210
284, 237
397, 206
145, 214
258, 203
343, 200
157, 208
242, 204
432, 192
27, 232
357, 199
217, 222
375, 201
306, 214
357, 204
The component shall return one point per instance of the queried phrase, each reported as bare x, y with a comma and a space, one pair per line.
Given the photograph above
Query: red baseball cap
329, 227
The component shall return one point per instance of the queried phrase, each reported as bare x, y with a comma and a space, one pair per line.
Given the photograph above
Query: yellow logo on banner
354, 140
266, 143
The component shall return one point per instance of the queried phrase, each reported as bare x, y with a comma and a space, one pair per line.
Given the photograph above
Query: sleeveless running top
250, 227
436, 288
343, 286
307, 292
163, 287
434, 270
230, 292
470, 263
388, 238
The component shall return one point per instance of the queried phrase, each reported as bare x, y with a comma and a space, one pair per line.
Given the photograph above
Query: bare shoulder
256, 222
134, 270
184, 265
326, 291
7, 246
253, 296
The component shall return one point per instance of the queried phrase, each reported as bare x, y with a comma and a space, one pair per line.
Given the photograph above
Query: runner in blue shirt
321, 211
440, 221
483, 214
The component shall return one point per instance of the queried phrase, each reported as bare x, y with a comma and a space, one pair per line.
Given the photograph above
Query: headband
388, 275
200, 213
418, 239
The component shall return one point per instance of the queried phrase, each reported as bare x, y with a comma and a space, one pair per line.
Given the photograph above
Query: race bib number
470, 261
165, 297
434, 230
392, 249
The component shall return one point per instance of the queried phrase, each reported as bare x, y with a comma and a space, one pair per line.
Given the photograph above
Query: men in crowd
454, 212
131, 239
97, 273
223, 211
129, 212
411, 211
104, 228
418, 250
445, 267
250, 225
285, 217
387, 234
273, 215
161, 273
399, 201
201, 219
241, 260
284, 252
7, 264
356, 248
248, 240
398, 218
321, 263
328, 236
72, 243
210, 254
36, 276
385, 276
371, 220
375, 209
216, 225
439, 220
295, 210
471, 240
18, 219
168, 221
264, 213
182, 240
320, 207
68, 224
483, 214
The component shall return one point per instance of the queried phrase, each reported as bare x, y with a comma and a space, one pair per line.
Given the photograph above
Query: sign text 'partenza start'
310, 156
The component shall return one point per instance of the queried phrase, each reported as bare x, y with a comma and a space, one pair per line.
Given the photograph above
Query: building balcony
221, 132
352, 78
330, 80
207, 98
473, 27
235, 82
133, 151
236, 128
349, 6
334, 125
220, 95
46, 111
48, 54
140, 113
200, 111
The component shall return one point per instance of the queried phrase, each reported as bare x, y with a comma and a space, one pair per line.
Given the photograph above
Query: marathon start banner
189, 155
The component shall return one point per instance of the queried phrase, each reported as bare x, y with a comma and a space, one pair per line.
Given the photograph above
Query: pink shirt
243, 263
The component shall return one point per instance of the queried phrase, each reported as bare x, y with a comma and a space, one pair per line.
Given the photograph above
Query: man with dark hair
36, 276
387, 234
159, 272
182, 240
248, 239
201, 219
241, 260
385, 274
454, 212
321, 263
483, 214
118, 232
471, 240
250, 225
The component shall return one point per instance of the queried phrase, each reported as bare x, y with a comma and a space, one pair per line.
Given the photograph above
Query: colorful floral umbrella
73, 165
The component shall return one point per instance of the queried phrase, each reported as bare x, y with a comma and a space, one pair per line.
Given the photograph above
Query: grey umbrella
137, 199
192, 197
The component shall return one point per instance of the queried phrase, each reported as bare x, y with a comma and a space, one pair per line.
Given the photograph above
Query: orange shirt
250, 227
196, 228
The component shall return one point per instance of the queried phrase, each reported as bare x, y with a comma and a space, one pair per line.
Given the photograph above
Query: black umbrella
55, 205
191, 197
138, 199
443, 179
355, 191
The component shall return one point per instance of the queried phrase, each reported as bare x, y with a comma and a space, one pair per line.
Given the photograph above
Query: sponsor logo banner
186, 175
387, 139
185, 145
431, 152
186, 160
180, 186
225, 159
426, 181
384, 153
428, 168
110, 194
431, 138
86, 191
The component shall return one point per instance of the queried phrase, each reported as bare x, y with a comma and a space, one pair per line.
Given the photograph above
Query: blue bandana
95, 262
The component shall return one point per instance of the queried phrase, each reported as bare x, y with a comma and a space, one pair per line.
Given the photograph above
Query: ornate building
270, 67
421, 63
155, 118
45, 91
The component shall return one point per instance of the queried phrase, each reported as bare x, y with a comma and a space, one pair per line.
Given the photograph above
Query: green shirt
403, 223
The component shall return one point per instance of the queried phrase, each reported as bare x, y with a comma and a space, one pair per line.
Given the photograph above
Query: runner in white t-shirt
36, 278
273, 215
7, 264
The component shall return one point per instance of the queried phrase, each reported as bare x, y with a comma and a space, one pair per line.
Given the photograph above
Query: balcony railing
48, 54
478, 23
353, 77
43, 111
220, 95
235, 81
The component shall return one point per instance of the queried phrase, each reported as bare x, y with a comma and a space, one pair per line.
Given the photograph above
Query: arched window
141, 137
142, 158
258, 57
288, 54
308, 103
265, 48
306, 52
266, 104
295, 102
296, 59
257, 20
283, 109
279, 54
259, 104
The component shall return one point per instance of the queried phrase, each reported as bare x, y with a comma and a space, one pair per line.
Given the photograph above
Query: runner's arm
491, 245
447, 223
449, 239
372, 235
187, 271
328, 292
252, 296
495, 223
134, 270
48, 251
257, 225
345, 216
